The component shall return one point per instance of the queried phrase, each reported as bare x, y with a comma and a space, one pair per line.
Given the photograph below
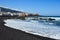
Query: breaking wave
37, 27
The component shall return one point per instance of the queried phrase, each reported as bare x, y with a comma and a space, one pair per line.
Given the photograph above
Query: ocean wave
34, 27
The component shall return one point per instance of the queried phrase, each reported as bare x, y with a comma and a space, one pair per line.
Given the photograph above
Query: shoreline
8, 33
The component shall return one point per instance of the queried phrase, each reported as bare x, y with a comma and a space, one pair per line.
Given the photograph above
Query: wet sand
7, 33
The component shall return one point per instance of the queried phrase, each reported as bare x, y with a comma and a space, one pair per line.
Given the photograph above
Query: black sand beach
7, 33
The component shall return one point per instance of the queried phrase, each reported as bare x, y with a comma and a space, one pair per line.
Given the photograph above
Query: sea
45, 28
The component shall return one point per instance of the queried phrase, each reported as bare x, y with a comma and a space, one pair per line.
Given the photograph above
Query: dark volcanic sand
7, 33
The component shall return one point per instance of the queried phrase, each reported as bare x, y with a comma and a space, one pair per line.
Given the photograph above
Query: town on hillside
11, 12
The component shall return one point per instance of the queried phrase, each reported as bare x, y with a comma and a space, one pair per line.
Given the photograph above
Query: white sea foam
34, 27
56, 18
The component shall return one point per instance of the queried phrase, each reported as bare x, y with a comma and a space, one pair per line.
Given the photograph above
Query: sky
43, 7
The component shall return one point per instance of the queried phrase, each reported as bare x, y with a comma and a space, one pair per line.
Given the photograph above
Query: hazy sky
43, 7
